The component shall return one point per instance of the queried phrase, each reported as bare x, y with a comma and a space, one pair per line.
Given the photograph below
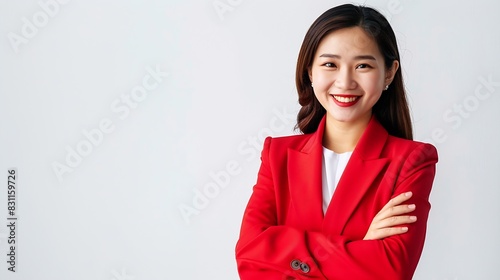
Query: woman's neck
342, 137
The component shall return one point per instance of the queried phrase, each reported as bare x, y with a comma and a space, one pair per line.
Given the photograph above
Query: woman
348, 198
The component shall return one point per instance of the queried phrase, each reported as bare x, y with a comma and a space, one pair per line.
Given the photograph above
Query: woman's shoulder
404, 148
283, 143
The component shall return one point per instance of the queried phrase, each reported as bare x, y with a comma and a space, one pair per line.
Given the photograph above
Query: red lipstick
345, 100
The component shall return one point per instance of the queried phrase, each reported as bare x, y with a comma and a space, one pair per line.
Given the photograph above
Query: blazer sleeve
266, 250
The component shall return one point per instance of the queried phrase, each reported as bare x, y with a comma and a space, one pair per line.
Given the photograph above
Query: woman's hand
386, 222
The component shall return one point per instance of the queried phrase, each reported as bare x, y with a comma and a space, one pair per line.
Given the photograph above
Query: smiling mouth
345, 99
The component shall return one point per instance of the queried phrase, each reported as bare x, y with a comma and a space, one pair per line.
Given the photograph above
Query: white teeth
344, 99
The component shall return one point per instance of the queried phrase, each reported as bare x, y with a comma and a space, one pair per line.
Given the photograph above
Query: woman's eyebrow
358, 57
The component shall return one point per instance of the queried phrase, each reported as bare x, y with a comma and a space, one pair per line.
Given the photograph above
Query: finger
398, 200
395, 211
387, 232
395, 221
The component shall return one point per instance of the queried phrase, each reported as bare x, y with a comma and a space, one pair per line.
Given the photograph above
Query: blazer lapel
361, 170
304, 179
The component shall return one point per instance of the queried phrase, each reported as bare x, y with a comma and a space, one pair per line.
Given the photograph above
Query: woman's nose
344, 80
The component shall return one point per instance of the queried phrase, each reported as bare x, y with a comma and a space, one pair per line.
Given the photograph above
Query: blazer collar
370, 144
304, 175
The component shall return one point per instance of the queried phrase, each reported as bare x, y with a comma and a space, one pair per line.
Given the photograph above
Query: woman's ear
391, 72
310, 73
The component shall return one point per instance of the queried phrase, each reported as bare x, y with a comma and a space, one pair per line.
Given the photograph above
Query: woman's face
348, 75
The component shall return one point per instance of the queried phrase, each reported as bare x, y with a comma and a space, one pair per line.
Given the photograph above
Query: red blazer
284, 234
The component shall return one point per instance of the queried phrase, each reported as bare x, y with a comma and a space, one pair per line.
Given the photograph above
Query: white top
332, 168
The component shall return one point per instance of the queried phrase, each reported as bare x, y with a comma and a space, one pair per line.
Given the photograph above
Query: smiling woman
349, 198
349, 70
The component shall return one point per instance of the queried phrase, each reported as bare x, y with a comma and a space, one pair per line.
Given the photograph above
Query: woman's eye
329, 65
363, 66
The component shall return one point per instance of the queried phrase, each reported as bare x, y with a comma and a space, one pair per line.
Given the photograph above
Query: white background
116, 215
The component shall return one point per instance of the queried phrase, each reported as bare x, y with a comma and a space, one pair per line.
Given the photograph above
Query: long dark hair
391, 109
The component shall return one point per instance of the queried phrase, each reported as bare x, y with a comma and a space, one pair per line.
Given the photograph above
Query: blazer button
304, 267
295, 264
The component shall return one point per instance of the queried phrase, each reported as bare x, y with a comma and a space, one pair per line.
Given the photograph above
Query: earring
386, 87
312, 85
